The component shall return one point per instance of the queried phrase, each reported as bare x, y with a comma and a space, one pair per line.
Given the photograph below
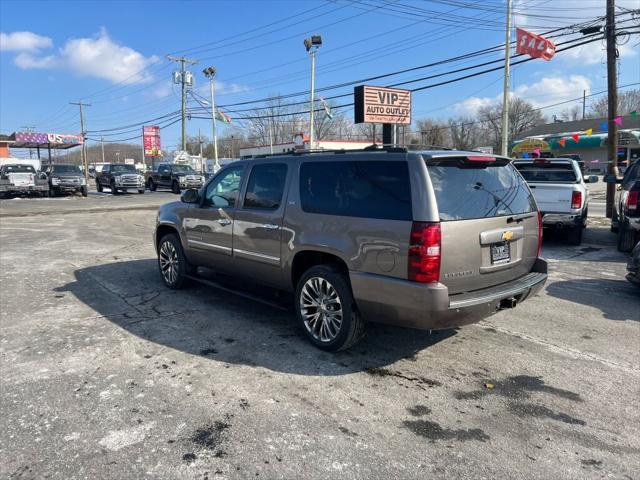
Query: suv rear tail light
576, 200
425, 252
632, 201
540, 229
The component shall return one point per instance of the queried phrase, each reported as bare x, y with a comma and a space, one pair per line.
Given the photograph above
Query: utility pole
102, 147
84, 139
201, 158
505, 95
612, 87
182, 61
584, 103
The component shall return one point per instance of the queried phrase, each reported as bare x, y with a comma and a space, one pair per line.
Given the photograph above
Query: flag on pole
562, 142
534, 45
589, 131
223, 117
618, 120
327, 108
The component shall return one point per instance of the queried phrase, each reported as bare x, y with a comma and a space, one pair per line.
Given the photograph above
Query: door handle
224, 221
270, 226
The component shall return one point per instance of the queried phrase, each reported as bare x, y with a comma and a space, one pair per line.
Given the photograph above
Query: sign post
389, 106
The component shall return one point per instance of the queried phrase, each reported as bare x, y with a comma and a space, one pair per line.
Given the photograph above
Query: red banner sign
151, 140
534, 45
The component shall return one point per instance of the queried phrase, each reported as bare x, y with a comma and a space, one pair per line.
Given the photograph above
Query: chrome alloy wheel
168, 262
321, 309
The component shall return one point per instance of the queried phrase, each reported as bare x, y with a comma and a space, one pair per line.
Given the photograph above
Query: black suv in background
119, 177
626, 209
65, 178
173, 176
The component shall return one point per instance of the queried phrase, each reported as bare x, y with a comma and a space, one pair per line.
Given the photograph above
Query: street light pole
210, 73
312, 44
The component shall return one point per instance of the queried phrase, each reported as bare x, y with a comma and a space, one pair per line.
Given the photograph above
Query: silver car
423, 239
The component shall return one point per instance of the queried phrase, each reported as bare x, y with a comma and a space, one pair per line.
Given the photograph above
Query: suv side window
105, 168
266, 186
163, 169
366, 189
223, 190
631, 175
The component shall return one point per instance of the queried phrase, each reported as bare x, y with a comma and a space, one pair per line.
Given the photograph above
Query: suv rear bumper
552, 219
429, 306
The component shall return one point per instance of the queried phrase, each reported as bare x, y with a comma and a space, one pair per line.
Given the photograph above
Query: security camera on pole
312, 45
210, 73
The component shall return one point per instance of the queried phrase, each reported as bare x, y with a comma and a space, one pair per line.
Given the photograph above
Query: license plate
500, 253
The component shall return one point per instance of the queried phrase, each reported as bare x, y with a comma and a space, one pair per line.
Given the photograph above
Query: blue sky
112, 54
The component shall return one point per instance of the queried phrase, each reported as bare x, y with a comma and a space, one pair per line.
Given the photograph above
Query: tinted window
163, 169
123, 169
183, 169
370, 189
465, 192
19, 169
631, 175
547, 172
223, 189
266, 186
66, 169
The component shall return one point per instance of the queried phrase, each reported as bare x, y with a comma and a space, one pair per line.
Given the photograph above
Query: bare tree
571, 114
466, 133
432, 132
628, 101
522, 116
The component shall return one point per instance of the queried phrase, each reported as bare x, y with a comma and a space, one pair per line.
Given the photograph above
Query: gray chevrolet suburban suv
423, 239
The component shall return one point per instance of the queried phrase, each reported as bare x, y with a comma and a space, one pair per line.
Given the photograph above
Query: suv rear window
547, 172
466, 191
19, 169
366, 189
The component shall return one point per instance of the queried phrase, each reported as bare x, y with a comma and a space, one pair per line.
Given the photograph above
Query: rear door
489, 222
552, 183
257, 229
164, 175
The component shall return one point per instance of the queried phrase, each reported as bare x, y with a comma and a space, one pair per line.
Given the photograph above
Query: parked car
633, 266
174, 176
625, 219
18, 178
561, 193
430, 240
65, 178
119, 177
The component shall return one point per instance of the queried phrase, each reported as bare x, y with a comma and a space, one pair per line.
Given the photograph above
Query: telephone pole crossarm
182, 61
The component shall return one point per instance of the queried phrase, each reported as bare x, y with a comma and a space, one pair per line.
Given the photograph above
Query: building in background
587, 138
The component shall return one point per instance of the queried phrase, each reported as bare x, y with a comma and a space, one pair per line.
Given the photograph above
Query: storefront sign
382, 105
52, 138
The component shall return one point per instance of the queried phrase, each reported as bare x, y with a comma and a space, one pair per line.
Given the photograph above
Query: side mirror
591, 179
610, 178
190, 196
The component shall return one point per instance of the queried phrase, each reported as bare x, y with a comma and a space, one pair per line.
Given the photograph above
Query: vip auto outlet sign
382, 105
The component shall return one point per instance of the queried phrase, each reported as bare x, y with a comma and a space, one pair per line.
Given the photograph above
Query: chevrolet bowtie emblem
506, 236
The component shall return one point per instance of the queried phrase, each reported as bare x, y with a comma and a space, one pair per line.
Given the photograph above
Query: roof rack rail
371, 148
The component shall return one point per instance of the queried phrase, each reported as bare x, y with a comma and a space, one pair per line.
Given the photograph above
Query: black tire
51, 193
152, 185
585, 218
98, 186
141, 191
627, 238
574, 236
84, 191
184, 268
615, 223
114, 190
352, 327
175, 187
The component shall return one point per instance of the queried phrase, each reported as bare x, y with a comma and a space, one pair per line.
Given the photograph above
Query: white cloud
23, 42
546, 91
102, 57
594, 53
222, 88
98, 56
28, 61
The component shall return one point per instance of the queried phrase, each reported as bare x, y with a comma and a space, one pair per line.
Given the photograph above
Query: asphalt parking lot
107, 374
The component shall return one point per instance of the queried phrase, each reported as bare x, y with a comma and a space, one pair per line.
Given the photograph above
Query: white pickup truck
560, 191
19, 177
